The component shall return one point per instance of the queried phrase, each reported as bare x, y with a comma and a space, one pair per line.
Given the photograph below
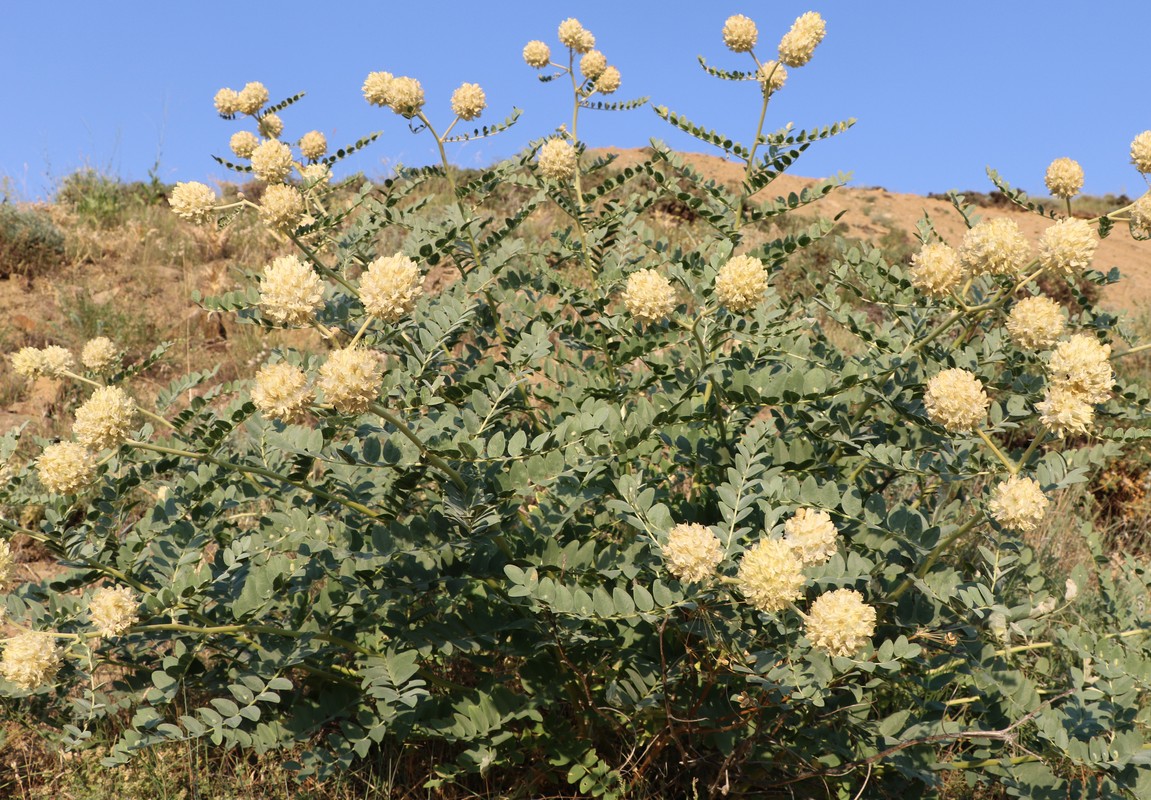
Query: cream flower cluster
592, 64
936, 270
1083, 365
51, 362
469, 101
66, 467
350, 380
253, 97
193, 201
290, 292
1141, 216
574, 35
1018, 504
30, 659
1064, 178
608, 81
995, 247
406, 96
770, 575
313, 145
315, 174
955, 399
271, 125
113, 610
772, 75
1068, 245
390, 287
6, 562
537, 54
244, 143
1064, 411
106, 419
227, 102
1036, 322
799, 43
811, 535
557, 160
649, 296
840, 623
692, 552
740, 33
1141, 152
282, 393
377, 87
741, 283
272, 161
282, 207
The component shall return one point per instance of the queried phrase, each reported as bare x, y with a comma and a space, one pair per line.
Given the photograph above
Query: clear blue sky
940, 89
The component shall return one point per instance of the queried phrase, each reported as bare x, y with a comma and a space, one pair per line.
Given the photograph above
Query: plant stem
432, 458
1011, 466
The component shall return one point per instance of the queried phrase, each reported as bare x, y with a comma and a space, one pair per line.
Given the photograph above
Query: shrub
30, 243
552, 525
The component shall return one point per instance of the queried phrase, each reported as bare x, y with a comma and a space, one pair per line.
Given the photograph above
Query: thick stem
411, 436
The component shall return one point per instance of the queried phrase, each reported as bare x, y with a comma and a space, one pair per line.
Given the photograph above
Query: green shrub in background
30, 243
605, 516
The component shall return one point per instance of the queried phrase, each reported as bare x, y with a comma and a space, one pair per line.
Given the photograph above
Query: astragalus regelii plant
604, 515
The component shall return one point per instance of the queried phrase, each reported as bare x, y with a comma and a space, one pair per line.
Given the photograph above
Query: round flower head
995, 247
313, 145
30, 659
741, 283
1035, 322
811, 535
1018, 504
649, 296
840, 623
608, 81
772, 75
1082, 365
1068, 245
1141, 216
281, 207
6, 562
315, 174
106, 419
586, 42
390, 287
468, 101
537, 54
936, 270
1064, 411
770, 575
592, 65
271, 125
66, 467
281, 392
55, 361
29, 362
569, 31
1141, 152
692, 553
1064, 178
798, 44
740, 33
252, 97
227, 102
557, 160
377, 87
243, 143
193, 201
350, 380
290, 292
955, 399
406, 96
272, 161
113, 610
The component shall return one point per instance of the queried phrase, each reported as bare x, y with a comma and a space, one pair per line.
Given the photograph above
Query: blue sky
940, 89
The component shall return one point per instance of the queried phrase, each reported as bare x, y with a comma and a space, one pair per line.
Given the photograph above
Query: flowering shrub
607, 511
